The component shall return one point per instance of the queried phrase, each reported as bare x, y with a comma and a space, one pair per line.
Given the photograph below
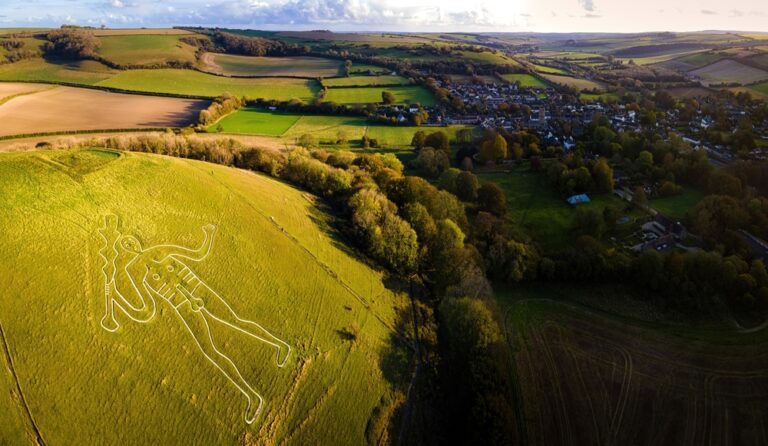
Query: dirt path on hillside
209, 64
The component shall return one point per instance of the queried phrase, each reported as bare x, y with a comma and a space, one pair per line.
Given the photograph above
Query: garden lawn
676, 206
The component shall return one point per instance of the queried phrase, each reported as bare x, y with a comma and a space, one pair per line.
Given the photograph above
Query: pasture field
141, 32
487, 57
730, 71
145, 49
194, 83
412, 94
85, 72
575, 82
327, 128
689, 92
760, 89
274, 259
543, 214
311, 67
589, 376
365, 69
70, 109
256, 121
364, 81
602, 97
548, 70
677, 205
525, 80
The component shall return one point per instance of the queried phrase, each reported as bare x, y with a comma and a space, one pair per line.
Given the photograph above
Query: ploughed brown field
59, 109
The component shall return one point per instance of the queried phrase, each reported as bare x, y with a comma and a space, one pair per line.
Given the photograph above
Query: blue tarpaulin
578, 199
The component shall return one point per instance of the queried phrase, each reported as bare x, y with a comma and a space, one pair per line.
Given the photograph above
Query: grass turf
188, 82
271, 260
677, 205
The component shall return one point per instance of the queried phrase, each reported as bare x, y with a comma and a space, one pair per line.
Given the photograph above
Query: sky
398, 15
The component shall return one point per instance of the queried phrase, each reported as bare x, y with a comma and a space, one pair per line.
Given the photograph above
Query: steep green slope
273, 259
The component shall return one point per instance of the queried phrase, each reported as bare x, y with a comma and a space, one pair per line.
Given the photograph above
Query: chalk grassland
362, 81
577, 83
548, 70
85, 72
188, 82
367, 95
525, 80
729, 71
69, 109
145, 49
274, 259
311, 67
588, 377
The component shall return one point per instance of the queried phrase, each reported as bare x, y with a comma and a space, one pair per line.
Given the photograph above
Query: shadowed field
587, 377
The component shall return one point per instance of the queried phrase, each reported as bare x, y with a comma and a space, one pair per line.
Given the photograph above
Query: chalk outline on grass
111, 236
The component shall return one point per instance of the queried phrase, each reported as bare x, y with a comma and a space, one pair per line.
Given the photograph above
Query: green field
145, 49
761, 89
363, 81
363, 95
525, 80
533, 206
256, 121
548, 70
274, 259
84, 72
188, 82
312, 67
603, 97
575, 82
325, 128
677, 205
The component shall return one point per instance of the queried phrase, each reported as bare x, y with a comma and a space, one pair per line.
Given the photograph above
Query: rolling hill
274, 260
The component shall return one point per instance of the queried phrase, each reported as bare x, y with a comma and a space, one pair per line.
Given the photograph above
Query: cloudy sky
399, 15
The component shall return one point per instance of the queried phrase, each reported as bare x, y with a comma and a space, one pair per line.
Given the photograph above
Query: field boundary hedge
84, 132
112, 89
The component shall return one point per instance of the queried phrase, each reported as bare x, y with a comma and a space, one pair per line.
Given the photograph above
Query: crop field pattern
55, 109
586, 378
274, 259
310, 67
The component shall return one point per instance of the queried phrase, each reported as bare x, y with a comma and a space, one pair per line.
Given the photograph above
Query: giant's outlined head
131, 244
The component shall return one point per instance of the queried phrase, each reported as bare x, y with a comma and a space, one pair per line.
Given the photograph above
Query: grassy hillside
275, 66
275, 261
189, 82
145, 49
362, 81
525, 80
85, 72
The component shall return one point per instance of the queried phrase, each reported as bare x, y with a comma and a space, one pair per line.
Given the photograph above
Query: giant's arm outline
162, 252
